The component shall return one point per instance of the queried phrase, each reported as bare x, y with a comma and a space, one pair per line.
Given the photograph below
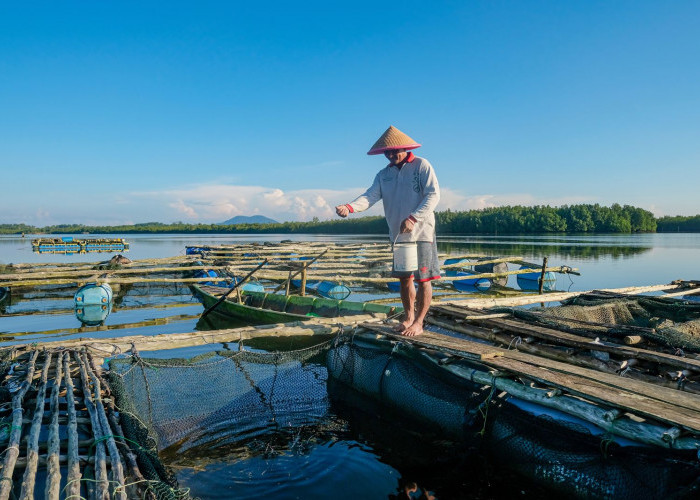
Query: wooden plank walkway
564, 338
675, 408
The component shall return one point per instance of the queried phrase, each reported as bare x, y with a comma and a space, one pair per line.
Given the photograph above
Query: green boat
261, 308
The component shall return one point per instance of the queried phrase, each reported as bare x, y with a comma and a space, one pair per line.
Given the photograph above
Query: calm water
367, 455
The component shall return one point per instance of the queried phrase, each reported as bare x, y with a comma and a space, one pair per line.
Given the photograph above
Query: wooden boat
267, 308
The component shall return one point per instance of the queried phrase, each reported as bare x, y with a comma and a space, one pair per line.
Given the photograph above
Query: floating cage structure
68, 244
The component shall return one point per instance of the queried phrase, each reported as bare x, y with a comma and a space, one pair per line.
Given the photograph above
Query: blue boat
327, 289
465, 284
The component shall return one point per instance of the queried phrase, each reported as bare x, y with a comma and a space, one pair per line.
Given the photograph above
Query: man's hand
342, 210
407, 226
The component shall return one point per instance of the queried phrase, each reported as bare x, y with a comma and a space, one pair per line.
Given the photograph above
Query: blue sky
127, 112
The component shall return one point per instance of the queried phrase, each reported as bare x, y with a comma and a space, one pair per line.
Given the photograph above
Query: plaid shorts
428, 263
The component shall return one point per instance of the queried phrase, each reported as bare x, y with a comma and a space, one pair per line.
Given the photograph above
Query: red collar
408, 159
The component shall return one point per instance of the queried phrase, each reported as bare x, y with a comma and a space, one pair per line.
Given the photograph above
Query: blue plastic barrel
249, 286
332, 290
395, 286
207, 273
92, 314
93, 294
465, 284
327, 289
531, 281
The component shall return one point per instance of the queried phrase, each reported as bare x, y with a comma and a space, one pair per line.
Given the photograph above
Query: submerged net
170, 406
668, 322
555, 450
567, 457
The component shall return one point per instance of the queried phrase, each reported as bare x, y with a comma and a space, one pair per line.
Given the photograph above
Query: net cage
173, 406
176, 407
668, 322
555, 450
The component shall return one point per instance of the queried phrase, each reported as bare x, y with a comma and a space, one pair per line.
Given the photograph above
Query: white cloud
215, 202
456, 201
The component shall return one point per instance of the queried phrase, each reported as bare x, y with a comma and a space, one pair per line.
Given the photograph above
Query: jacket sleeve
368, 198
431, 193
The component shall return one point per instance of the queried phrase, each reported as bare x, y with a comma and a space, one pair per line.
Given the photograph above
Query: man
409, 191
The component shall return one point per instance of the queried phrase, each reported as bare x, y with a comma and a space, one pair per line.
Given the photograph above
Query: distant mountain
246, 219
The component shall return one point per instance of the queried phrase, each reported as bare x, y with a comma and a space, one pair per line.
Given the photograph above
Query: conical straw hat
393, 138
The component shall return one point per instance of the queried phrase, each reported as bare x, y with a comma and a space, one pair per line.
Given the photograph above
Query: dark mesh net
667, 322
171, 405
176, 406
565, 456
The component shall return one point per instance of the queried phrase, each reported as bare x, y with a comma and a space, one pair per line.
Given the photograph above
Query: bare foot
402, 326
413, 330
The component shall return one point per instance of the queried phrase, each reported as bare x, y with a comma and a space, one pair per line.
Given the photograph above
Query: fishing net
556, 451
247, 400
566, 456
170, 406
668, 322
450, 404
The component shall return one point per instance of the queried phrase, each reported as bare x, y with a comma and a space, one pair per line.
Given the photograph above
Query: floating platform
69, 245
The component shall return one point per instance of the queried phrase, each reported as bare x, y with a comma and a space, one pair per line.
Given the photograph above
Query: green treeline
498, 220
678, 224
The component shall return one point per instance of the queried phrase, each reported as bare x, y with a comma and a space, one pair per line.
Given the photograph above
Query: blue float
327, 289
93, 294
531, 281
470, 284
93, 303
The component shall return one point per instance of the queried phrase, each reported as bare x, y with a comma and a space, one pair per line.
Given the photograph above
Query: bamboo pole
27, 491
542, 276
108, 347
87, 273
74, 475
101, 484
553, 296
118, 432
53, 480
117, 471
12, 451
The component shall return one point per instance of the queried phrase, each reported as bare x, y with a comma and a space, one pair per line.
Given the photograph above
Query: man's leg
408, 300
425, 297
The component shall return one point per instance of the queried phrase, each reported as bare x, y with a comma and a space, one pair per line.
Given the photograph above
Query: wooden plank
432, 340
588, 386
677, 398
601, 393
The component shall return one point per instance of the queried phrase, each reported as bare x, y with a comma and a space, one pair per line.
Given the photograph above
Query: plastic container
405, 257
466, 284
93, 294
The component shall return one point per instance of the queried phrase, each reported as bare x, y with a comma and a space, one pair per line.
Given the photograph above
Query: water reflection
562, 250
93, 314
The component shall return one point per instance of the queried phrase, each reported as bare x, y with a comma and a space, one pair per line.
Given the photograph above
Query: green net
667, 322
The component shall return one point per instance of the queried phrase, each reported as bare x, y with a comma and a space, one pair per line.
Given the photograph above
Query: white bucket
405, 257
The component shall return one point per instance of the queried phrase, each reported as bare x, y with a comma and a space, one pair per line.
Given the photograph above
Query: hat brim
378, 151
